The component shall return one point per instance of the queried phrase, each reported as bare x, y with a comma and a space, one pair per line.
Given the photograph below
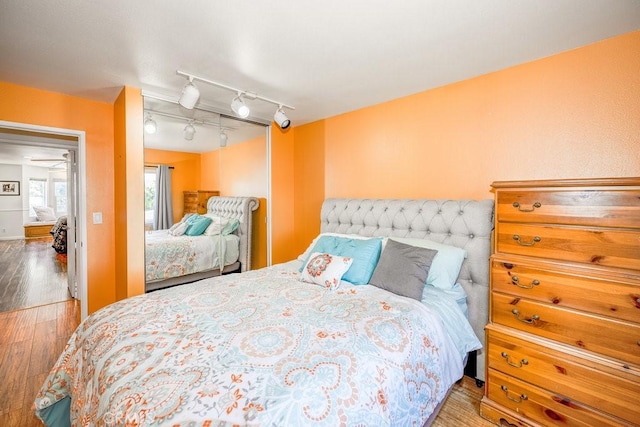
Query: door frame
81, 209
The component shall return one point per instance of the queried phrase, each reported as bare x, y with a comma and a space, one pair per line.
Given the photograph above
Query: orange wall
185, 175
572, 115
283, 237
210, 173
33, 106
309, 160
129, 194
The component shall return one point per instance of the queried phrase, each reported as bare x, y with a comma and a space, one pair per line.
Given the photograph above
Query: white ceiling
322, 57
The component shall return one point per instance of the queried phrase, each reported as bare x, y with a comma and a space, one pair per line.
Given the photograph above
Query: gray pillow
403, 269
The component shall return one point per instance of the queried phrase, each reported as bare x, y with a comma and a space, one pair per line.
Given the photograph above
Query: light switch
97, 217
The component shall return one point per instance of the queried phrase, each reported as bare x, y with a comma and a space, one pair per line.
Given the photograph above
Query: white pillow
178, 228
325, 270
445, 266
186, 217
303, 256
44, 213
218, 224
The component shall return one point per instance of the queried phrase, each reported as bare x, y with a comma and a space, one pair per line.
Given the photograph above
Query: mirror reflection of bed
224, 157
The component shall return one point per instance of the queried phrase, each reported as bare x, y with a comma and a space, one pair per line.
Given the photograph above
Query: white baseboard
12, 238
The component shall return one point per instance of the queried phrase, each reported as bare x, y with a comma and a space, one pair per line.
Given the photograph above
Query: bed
265, 348
173, 260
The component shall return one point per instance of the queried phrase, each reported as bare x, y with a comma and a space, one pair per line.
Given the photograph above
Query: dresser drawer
595, 246
609, 294
610, 337
533, 361
502, 416
597, 207
542, 406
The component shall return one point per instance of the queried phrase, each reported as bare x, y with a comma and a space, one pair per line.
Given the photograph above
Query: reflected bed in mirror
173, 260
237, 168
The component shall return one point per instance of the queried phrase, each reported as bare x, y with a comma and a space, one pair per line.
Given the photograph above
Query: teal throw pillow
365, 255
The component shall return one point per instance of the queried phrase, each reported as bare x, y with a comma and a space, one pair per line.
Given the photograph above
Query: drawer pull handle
505, 423
529, 321
535, 240
509, 362
515, 399
535, 206
516, 281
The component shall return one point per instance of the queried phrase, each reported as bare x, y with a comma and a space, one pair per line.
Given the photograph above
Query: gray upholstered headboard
240, 208
463, 223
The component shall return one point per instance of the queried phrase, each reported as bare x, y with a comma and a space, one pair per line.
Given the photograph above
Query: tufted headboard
466, 224
240, 208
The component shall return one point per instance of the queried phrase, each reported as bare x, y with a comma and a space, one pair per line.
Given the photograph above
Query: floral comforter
258, 349
172, 256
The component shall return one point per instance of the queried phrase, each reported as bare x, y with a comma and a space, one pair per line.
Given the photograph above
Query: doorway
70, 147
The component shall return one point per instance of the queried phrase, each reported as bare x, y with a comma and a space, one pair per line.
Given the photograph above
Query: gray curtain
163, 207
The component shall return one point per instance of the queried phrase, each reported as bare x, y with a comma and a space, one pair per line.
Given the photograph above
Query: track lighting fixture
239, 107
223, 138
189, 131
150, 126
281, 119
190, 95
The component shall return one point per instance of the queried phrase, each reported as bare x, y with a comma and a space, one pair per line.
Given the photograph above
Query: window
149, 195
60, 197
37, 194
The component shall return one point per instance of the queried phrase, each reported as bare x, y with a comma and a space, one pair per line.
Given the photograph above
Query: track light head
223, 138
281, 119
150, 126
189, 131
239, 107
190, 95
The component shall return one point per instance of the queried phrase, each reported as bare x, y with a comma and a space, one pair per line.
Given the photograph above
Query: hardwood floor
32, 339
30, 342
30, 274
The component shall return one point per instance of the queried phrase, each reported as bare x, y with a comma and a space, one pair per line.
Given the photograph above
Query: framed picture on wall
9, 188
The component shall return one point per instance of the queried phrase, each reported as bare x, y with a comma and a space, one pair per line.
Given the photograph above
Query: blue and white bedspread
258, 348
169, 256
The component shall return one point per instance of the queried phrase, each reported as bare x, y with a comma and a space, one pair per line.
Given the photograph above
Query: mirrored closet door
191, 155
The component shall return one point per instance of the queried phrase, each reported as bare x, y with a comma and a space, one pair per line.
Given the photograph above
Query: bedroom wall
29, 105
128, 169
283, 232
571, 115
185, 175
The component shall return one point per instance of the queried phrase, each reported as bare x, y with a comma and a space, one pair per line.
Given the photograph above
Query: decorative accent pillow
178, 228
403, 269
365, 254
44, 213
446, 265
325, 269
221, 225
197, 225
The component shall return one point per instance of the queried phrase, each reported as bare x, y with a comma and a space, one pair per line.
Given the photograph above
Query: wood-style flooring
30, 274
32, 339
30, 342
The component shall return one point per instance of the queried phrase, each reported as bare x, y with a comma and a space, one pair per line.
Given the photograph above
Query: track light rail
239, 92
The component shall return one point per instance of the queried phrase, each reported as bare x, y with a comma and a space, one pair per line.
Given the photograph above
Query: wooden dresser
196, 201
563, 342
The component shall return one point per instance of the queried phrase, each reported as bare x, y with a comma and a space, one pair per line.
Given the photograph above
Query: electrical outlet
4, 230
